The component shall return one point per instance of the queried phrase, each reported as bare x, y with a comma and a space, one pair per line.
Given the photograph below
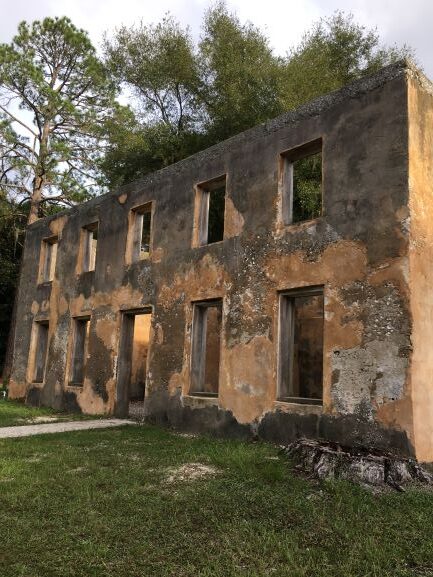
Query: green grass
15, 413
98, 503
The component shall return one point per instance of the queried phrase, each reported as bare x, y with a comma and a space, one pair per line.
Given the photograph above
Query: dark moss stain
100, 370
70, 403
335, 376
33, 397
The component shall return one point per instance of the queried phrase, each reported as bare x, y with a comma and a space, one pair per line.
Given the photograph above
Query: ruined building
236, 294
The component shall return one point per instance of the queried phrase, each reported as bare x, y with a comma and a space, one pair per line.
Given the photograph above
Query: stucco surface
370, 250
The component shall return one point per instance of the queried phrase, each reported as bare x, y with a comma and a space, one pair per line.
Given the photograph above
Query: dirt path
27, 430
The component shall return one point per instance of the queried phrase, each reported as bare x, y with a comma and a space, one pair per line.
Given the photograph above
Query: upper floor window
301, 183
210, 210
48, 259
89, 243
140, 230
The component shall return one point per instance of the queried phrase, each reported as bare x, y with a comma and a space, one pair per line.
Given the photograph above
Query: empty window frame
140, 232
211, 197
79, 350
301, 183
41, 348
301, 323
48, 261
89, 245
206, 348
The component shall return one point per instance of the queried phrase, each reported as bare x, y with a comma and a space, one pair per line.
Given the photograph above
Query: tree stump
324, 460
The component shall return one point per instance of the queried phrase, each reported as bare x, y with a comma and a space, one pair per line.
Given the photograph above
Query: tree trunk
35, 201
40, 175
36, 198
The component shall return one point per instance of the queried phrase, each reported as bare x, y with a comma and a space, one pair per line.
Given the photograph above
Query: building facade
278, 284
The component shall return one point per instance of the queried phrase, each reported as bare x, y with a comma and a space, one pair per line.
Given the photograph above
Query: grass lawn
118, 503
15, 413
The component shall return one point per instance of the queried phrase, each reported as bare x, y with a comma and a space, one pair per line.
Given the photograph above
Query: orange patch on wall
202, 281
247, 388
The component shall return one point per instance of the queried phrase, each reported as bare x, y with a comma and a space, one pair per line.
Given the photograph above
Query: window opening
206, 348
49, 257
41, 351
141, 232
302, 183
301, 345
212, 197
79, 352
90, 243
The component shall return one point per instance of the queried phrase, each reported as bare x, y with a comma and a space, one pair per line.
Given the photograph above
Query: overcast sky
284, 21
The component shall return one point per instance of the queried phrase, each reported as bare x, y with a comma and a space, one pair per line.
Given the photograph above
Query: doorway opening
132, 375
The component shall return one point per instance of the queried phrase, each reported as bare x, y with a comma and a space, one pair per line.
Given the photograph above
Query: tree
157, 62
185, 96
335, 52
239, 75
12, 223
139, 147
54, 98
158, 67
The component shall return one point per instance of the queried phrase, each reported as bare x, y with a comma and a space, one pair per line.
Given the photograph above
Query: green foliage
54, 97
139, 148
185, 96
335, 52
158, 63
239, 72
216, 215
12, 222
307, 188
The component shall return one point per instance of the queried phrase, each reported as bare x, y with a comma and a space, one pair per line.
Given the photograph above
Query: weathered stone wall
358, 250
420, 386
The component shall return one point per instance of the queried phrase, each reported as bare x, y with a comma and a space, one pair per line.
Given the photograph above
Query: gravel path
27, 430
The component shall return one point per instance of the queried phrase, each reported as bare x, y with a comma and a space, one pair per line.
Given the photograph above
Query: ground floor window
206, 348
79, 350
41, 348
300, 359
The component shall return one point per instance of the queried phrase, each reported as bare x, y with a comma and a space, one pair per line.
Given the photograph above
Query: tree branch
15, 119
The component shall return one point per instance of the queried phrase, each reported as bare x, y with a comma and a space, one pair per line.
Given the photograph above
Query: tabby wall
374, 384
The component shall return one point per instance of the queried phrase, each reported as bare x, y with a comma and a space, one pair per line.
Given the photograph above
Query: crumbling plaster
370, 250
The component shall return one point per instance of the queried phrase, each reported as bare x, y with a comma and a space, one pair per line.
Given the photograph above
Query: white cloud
284, 21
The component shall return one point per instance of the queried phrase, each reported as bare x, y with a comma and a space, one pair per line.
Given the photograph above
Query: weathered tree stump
324, 460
